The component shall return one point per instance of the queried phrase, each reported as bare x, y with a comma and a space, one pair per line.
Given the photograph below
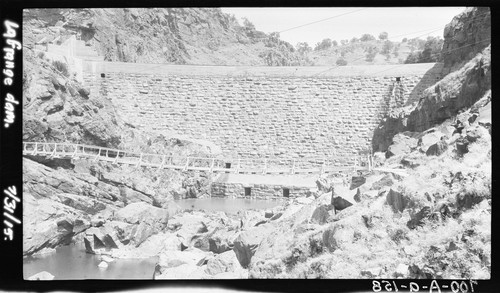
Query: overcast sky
346, 23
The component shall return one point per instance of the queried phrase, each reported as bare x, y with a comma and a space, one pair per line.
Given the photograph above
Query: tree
413, 57
334, 43
341, 62
272, 40
405, 40
248, 25
432, 49
303, 48
324, 45
430, 52
344, 42
395, 52
367, 37
383, 36
386, 48
354, 40
372, 52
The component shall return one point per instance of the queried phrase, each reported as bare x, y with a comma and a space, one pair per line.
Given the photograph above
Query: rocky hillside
432, 222
466, 35
468, 81
66, 193
203, 36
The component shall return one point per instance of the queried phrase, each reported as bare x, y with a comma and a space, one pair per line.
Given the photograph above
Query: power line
436, 54
321, 20
336, 66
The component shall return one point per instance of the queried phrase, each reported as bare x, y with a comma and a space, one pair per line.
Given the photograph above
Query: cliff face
465, 36
65, 194
59, 109
467, 57
161, 35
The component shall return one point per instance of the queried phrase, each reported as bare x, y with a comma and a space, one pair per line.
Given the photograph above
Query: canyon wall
283, 112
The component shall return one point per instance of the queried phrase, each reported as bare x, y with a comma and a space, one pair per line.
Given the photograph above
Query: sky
347, 22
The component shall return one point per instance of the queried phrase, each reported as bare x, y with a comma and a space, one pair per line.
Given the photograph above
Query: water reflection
72, 263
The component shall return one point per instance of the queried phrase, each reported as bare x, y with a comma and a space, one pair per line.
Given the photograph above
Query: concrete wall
263, 186
260, 191
284, 112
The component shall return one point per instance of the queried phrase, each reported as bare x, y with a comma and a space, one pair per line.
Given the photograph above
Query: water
73, 263
228, 205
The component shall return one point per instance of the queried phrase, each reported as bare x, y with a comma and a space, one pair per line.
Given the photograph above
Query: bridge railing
243, 165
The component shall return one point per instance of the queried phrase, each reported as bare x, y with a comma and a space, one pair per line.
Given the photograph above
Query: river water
73, 263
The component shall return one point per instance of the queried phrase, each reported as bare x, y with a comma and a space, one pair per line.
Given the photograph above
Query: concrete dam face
262, 112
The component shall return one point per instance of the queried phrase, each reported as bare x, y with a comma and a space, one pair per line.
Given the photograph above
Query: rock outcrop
466, 35
166, 35
467, 38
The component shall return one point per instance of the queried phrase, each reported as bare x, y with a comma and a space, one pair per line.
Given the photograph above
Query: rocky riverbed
423, 212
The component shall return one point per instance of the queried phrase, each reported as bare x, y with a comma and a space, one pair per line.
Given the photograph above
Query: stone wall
260, 191
263, 186
290, 112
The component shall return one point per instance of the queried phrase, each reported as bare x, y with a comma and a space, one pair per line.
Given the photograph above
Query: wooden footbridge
208, 164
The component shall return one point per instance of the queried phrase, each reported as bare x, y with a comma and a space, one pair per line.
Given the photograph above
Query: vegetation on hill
203, 36
369, 50
207, 36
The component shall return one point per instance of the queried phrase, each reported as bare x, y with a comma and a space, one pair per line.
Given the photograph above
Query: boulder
357, 181
221, 241
103, 265
247, 242
250, 218
484, 117
186, 226
42, 276
159, 243
320, 214
107, 259
337, 237
401, 271
371, 272
462, 145
474, 133
385, 180
429, 138
119, 231
324, 185
401, 144
83, 203
465, 200
276, 216
396, 200
224, 262
146, 219
190, 256
417, 219
141, 212
48, 223
341, 203
437, 149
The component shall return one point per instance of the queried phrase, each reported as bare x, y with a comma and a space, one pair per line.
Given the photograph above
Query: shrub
341, 62
61, 67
